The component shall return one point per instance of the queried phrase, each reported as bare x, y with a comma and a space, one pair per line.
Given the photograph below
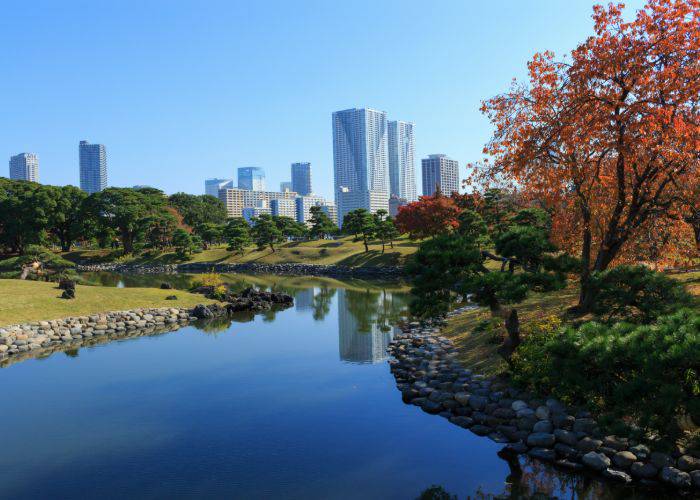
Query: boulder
675, 477
543, 454
166, 286
624, 459
596, 461
688, 463
617, 475
566, 437
201, 311
644, 470
540, 440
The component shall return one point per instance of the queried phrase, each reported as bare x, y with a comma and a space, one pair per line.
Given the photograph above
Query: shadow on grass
371, 258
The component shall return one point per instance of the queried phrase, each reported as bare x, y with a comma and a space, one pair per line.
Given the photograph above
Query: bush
636, 293
208, 279
646, 375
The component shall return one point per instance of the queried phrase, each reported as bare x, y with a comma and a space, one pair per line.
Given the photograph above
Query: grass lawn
24, 301
343, 251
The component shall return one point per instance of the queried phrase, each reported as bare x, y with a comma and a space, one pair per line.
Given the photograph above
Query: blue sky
180, 91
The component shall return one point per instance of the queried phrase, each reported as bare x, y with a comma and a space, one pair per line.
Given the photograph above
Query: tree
609, 139
237, 235
126, 211
210, 232
25, 212
183, 243
428, 217
198, 209
289, 227
385, 228
362, 224
159, 229
265, 232
67, 221
321, 224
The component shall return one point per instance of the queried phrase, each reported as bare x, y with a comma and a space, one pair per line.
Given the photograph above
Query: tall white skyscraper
360, 162
24, 167
440, 170
212, 186
402, 170
93, 167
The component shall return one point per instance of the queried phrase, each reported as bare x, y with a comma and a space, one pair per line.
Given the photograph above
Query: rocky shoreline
333, 271
41, 337
429, 375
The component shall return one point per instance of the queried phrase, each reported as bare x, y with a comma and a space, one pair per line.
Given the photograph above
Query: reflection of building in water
361, 340
304, 299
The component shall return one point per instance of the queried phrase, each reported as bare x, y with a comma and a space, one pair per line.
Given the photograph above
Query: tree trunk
366, 246
511, 343
272, 247
585, 295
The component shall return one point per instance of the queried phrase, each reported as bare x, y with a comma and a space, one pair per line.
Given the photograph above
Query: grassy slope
22, 301
479, 352
343, 251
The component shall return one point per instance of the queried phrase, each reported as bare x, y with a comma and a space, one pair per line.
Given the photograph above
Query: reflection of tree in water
370, 307
72, 352
436, 492
214, 325
322, 302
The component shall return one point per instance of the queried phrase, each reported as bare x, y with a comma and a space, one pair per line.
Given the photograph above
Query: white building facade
213, 186
440, 170
360, 160
402, 170
24, 167
236, 199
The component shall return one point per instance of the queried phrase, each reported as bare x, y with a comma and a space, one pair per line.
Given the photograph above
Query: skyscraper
251, 178
440, 170
93, 167
301, 178
402, 170
360, 164
212, 186
24, 167
285, 186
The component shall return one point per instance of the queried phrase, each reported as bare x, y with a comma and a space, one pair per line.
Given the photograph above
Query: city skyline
161, 123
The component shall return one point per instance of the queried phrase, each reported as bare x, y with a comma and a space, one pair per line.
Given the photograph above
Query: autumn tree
428, 217
610, 138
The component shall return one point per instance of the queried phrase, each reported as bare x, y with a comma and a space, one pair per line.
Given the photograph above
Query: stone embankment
369, 272
43, 337
429, 375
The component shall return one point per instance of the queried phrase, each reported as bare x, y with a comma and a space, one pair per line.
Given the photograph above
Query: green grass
24, 301
343, 251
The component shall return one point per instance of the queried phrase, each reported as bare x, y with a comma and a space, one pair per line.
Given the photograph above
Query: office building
93, 167
440, 170
402, 170
284, 207
251, 178
250, 213
24, 167
286, 186
360, 163
301, 178
361, 339
236, 199
213, 186
394, 203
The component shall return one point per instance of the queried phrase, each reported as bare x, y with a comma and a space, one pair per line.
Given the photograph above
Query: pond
298, 403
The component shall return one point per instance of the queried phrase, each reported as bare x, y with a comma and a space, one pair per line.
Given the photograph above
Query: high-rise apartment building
93, 167
402, 170
440, 170
24, 167
213, 186
284, 207
360, 163
301, 178
251, 178
286, 186
236, 199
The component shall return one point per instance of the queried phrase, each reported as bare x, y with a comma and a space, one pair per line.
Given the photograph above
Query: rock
481, 430
518, 405
542, 413
171, 297
617, 475
462, 398
565, 450
588, 444
542, 426
675, 477
566, 437
563, 421
464, 422
616, 443
431, 406
695, 477
640, 450
587, 425
569, 465
68, 294
687, 463
517, 448
540, 440
644, 470
201, 311
624, 459
596, 461
166, 286
477, 402
660, 460
543, 454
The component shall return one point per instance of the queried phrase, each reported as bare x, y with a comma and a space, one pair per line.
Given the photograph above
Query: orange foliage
609, 139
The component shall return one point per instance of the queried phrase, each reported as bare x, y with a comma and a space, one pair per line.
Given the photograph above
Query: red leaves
429, 216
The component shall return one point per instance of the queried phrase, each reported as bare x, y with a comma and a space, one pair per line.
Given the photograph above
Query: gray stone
542, 413
675, 477
616, 443
640, 450
588, 444
464, 422
687, 463
617, 475
477, 402
518, 405
525, 412
518, 448
660, 460
481, 430
644, 470
565, 450
566, 437
543, 426
587, 425
624, 459
695, 477
596, 461
543, 454
431, 406
540, 440
462, 398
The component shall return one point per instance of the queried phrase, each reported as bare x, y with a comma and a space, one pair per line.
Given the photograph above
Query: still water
297, 403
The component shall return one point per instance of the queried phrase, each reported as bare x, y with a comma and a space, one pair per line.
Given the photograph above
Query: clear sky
179, 91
